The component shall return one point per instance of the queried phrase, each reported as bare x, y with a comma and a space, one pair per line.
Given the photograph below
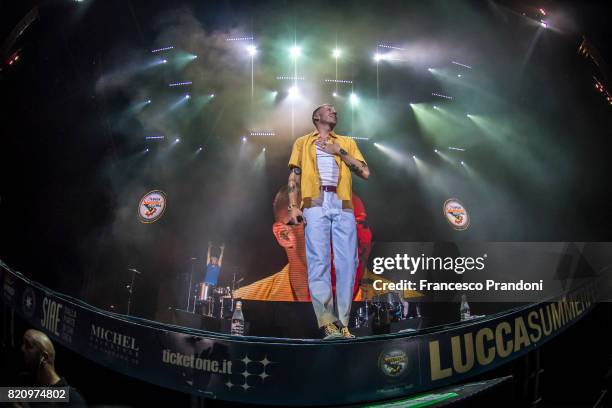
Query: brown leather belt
329, 188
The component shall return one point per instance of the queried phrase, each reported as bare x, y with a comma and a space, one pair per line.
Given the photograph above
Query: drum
382, 314
362, 316
388, 307
205, 291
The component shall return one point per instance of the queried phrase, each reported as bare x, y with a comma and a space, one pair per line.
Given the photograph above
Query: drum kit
383, 308
214, 301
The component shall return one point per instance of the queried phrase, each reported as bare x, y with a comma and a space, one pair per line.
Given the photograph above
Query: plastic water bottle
238, 321
464, 309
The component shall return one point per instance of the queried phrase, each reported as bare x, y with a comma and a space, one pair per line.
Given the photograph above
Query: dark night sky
71, 174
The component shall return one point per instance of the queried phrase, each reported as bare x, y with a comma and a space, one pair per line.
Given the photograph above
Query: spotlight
147, 150
263, 150
244, 139
391, 47
187, 96
177, 140
334, 94
468, 115
462, 163
436, 108
293, 92
252, 50
441, 96
461, 65
339, 81
262, 133
354, 99
435, 150
148, 101
458, 75
337, 53
164, 61
430, 69
377, 57
376, 144
162, 49
239, 39
543, 23
212, 95
295, 51
414, 156
173, 84
200, 149
195, 57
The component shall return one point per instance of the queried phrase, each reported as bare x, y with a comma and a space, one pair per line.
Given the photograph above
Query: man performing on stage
320, 172
213, 265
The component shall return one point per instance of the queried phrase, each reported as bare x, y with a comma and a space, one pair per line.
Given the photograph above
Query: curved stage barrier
283, 371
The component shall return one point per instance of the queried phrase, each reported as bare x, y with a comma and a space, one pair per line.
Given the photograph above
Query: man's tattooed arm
293, 186
356, 166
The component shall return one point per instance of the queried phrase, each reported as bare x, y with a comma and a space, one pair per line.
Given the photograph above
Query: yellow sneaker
331, 332
346, 333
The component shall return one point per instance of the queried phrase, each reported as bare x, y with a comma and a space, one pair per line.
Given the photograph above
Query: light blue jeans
327, 222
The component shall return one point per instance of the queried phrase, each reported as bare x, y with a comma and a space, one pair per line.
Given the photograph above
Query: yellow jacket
304, 156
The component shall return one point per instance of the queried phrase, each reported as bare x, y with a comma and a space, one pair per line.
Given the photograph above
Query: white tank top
328, 168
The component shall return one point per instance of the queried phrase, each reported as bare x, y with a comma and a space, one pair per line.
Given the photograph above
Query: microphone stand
131, 289
189, 290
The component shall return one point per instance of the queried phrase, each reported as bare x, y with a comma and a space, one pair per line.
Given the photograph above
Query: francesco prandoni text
459, 265
489, 284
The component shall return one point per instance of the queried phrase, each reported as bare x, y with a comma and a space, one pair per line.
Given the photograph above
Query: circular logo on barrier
28, 302
393, 363
152, 206
456, 214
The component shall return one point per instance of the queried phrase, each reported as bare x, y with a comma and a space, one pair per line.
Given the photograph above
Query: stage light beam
294, 92
295, 51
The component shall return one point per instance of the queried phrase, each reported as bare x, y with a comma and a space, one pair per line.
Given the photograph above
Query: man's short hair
317, 109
